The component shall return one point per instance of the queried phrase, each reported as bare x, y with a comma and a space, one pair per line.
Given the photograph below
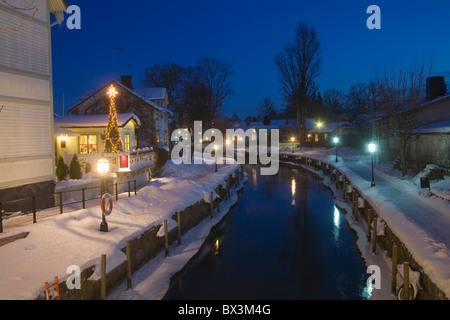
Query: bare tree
298, 67
195, 92
170, 76
266, 109
334, 102
213, 75
401, 93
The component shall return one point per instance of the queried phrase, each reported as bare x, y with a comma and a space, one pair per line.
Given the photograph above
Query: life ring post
106, 205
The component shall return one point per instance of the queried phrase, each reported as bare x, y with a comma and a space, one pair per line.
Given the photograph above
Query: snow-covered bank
397, 208
74, 238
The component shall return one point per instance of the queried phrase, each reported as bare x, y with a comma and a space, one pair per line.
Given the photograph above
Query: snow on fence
118, 162
377, 226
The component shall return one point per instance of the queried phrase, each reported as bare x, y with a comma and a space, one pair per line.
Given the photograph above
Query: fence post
83, 198
117, 191
179, 226
406, 292
1, 218
103, 278
34, 208
369, 223
394, 270
374, 236
135, 187
166, 238
128, 252
212, 205
337, 179
129, 189
60, 203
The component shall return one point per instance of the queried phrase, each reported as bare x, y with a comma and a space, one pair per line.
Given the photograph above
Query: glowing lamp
372, 147
102, 165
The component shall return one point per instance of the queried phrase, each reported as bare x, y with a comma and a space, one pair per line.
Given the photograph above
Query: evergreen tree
113, 141
61, 169
75, 168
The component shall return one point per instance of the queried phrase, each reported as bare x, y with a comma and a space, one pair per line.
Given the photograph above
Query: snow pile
74, 238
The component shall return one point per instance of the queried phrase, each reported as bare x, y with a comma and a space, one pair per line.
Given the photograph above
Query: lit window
88, 143
316, 137
127, 142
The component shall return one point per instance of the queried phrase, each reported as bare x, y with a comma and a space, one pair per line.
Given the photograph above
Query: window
88, 143
325, 136
158, 133
316, 137
127, 142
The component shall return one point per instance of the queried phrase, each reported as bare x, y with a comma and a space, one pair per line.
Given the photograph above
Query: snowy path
432, 219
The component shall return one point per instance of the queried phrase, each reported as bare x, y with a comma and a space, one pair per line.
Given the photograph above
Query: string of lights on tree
113, 141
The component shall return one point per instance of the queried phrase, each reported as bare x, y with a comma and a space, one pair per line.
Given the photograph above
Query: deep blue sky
248, 34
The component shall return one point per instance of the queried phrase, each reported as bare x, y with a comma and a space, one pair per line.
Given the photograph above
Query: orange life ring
102, 204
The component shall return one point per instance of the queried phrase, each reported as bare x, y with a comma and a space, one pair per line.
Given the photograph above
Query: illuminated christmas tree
113, 141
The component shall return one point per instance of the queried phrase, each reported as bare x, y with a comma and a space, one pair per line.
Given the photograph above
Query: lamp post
336, 141
102, 168
292, 140
372, 149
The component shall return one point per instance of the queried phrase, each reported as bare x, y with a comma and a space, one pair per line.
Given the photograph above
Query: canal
284, 240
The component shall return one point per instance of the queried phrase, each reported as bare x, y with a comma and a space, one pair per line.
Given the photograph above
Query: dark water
284, 240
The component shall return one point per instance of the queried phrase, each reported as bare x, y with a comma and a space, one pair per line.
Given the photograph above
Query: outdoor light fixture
102, 168
372, 149
292, 140
336, 141
102, 165
319, 124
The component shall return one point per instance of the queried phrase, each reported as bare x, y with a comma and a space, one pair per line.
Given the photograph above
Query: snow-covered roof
152, 93
157, 91
442, 127
96, 120
58, 131
331, 126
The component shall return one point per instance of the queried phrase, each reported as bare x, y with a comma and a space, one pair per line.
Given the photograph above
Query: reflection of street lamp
292, 140
372, 149
336, 141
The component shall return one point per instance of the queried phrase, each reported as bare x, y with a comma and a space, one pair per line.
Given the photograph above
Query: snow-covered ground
53, 245
74, 238
419, 218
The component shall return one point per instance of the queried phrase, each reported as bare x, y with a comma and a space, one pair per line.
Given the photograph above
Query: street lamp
292, 140
336, 141
102, 168
372, 149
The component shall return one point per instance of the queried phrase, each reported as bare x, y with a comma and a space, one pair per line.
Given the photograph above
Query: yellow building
86, 134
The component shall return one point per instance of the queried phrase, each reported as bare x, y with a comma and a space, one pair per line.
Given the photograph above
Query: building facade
26, 102
151, 109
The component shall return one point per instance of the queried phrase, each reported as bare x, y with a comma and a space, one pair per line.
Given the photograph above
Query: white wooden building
26, 99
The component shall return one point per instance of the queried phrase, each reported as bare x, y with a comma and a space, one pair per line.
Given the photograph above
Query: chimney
127, 81
436, 87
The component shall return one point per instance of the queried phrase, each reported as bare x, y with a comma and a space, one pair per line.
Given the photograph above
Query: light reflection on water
285, 239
